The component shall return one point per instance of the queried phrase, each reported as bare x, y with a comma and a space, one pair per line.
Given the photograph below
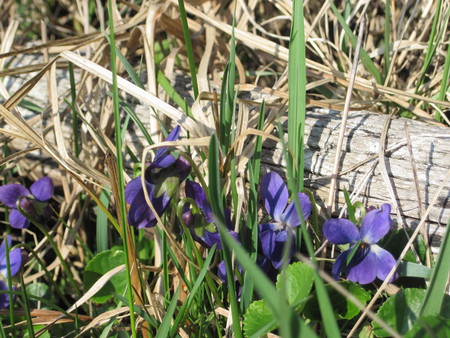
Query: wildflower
369, 260
201, 221
273, 235
162, 178
34, 201
261, 261
15, 262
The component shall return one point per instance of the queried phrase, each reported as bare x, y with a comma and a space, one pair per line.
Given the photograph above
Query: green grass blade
434, 297
216, 199
120, 167
227, 96
188, 302
250, 236
9, 283
297, 93
26, 307
365, 58
444, 81
102, 224
387, 34
166, 324
129, 69
172, 93
432, 45
188, 45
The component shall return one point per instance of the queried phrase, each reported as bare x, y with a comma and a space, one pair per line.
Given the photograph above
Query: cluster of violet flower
165, 174
15, 263
24, 203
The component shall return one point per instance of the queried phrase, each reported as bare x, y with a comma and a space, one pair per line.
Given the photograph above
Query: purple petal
163, 161
376, 224
385, 263
43, 189
340, 231
222, 271
132, 189
15, 258
10, 194
339, 264
291, 216
4, 297
3, 247
267, 239
17, 220
278, 251
364, 271
183, 167
208, 239
173, 136
140, 216
196, 192
274, 195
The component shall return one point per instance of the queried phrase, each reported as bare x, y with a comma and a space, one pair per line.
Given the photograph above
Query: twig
419, 200
344, 118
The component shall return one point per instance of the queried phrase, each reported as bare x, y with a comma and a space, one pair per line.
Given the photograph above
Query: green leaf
97, 267
434, 299
408, 269
258, 320
401, 311
433, 326
164, 328
397, 242
297, 282
37, 289
342, 306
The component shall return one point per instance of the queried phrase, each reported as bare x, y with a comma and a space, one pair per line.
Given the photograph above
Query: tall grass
120, 169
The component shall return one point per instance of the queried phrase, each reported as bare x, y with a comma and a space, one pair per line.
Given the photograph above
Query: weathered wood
430, 148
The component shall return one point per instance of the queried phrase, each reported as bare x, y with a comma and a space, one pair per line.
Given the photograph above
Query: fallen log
361, 172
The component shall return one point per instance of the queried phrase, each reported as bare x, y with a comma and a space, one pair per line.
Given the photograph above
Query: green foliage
397, 242
402, 310
434, 326
258, 319
297, 94
37, 289
97, 267
434, 298
295, 284
342, 306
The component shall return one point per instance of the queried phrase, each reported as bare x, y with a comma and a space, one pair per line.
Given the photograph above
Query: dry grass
50, 36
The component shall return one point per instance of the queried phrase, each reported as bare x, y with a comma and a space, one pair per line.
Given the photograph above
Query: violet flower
261, 261
201, 221
273, 235
162, 178
33, 201
369, 260
15, 262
